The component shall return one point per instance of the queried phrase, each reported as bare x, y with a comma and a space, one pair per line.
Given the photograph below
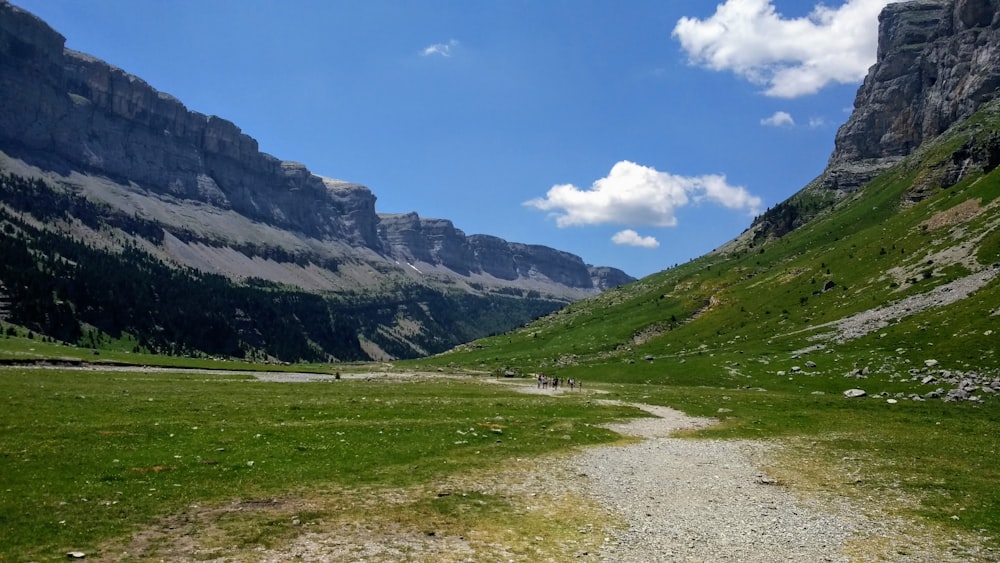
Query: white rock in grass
855, 393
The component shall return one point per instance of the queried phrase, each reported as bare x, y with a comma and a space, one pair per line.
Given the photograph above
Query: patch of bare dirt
958, 214
388, 525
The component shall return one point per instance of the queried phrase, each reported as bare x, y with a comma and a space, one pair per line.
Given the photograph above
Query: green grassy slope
758, 338
759, 303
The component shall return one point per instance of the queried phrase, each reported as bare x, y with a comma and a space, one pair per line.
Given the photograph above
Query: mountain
850, 325
100, 164
882, 272
937, 64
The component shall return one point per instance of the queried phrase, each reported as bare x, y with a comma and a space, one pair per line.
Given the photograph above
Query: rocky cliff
74, 111
436, 242
938, 62
67, 111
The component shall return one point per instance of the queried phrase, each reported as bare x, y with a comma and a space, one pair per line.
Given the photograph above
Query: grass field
89, 456
20, 348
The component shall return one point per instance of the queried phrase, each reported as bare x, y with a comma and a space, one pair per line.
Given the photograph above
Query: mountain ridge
73, 111
95, 155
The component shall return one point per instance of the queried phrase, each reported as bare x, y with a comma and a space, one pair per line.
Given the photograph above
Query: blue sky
637, 134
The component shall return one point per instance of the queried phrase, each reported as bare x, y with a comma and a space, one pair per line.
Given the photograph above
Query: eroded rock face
65, 110
938, 62
73, 110
410, 238
606, 278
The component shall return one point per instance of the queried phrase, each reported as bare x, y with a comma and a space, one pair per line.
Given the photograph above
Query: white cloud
629, 237
633, 194
791, 57
442, 49
714, 188
779, 119
816, 122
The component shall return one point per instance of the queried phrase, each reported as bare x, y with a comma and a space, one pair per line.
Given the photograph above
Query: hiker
572, 383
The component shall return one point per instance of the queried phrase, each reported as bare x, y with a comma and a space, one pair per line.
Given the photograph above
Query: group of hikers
545, 381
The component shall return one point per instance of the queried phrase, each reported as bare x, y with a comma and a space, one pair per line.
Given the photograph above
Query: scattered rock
855, 393
765, 480
858, 373
956, 395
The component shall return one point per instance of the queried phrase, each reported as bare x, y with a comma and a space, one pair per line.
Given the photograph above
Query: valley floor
666, 498
685, 500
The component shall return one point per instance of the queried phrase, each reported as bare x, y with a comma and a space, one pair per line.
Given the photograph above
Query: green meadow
88, 457
91, 458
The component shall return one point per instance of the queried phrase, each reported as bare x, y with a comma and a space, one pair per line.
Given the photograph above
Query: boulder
956, 395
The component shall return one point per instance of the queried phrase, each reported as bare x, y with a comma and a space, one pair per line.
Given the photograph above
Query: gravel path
697, 500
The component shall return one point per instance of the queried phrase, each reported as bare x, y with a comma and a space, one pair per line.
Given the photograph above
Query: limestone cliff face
63, 110
408, 237
80, 112
412, 239
938, 62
